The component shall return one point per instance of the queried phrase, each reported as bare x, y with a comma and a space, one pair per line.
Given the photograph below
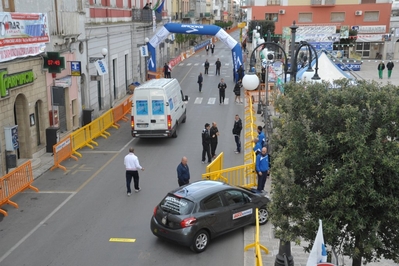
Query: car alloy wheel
200, 241
263, 215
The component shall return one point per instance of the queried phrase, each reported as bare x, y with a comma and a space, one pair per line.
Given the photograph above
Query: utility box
52, 137
87, 116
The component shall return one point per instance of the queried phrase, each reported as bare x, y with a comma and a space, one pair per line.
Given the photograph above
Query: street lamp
104, 52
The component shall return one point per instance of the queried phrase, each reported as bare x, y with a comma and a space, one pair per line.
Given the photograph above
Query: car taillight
155, 210
188, 222
132, 121
169, 122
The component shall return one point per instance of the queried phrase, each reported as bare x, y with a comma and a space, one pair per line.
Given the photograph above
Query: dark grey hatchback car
194, 214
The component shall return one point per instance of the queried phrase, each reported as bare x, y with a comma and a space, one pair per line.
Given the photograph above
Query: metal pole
293, 63
266, 106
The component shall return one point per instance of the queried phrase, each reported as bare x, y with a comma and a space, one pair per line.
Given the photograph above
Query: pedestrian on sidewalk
261, 136
206, 65
132, 166
240, 72
212, 47
390, 66
206, 143
207, 49
262, 169
257, 147
183, 172
199, 81
214, 132
218, 64
237, 92
237, 132
381, 67
222, 91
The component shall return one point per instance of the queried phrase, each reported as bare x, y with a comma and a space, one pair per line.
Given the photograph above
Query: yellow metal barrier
81, 138
108, 120
258, 247
96, 129
243, 175
216, 164
250, 128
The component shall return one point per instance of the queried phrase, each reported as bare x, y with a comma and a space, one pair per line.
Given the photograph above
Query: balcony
317, 3
145, 15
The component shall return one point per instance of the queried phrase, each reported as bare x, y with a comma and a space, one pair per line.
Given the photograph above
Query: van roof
156, 83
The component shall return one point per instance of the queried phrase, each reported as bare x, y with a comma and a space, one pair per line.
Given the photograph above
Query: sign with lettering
101, 67
22, 34
14, 80
370, 29
76, 69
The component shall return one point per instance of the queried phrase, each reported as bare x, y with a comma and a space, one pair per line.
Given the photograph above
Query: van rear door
158, 114
142, 118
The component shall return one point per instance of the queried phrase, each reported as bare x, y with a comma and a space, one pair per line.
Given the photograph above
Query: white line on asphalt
198, 100
211, 100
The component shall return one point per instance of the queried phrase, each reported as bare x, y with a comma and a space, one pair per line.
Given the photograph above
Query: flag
160, 7
319, 252
156, 5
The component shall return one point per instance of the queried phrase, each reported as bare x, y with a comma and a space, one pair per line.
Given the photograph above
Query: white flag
319, 252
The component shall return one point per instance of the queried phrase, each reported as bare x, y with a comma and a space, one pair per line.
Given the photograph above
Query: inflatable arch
200, 29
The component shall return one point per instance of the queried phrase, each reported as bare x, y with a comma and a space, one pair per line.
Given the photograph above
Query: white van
158, 109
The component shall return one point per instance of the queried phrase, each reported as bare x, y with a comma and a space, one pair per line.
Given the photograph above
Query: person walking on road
183, 172
237, 132
381, 67
199, 81
206, 142
237, 91
207, 49
262, 169
132, 166
212, 47
214, 132
240, 72
390, 66
206, 65
218, 65
222, 91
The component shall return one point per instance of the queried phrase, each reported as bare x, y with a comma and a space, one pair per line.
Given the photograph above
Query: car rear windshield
176, 205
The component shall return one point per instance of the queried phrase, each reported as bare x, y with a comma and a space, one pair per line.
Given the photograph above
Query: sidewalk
368, 72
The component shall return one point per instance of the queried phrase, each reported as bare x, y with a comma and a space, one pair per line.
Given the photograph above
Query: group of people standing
381, 67
209, 141
167, 71
212, 46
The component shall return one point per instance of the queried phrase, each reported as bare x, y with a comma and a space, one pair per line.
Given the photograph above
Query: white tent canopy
328, 71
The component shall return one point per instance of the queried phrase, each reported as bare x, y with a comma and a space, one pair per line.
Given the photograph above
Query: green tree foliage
335, 159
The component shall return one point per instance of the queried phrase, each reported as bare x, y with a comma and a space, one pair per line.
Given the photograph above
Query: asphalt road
76, 213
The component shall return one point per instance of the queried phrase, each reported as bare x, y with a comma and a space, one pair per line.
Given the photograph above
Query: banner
22, 34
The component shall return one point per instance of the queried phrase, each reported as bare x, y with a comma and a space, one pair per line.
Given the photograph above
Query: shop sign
370, 29
14, 80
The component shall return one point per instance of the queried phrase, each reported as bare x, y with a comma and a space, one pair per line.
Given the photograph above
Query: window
305, 17
234, 197
212, 202
8, 5
371, 16
273, 2
158, 107
363, 48
271, 16
368, 1
176, 205
337, 16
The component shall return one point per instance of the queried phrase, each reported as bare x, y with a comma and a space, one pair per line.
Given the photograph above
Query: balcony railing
320, 2
145, 15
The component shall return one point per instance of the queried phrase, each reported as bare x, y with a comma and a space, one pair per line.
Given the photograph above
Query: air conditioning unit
281, 11
358, 13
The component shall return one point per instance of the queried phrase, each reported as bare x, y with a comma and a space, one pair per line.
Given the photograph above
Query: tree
336, 159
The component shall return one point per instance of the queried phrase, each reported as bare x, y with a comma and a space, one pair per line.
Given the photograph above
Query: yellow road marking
129, 240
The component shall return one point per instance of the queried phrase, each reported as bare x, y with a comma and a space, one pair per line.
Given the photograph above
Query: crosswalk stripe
198, 100
211, 100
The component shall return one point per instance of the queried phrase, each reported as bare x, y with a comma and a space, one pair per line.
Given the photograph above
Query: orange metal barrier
62, 151
14, 182
258, 247
119, 112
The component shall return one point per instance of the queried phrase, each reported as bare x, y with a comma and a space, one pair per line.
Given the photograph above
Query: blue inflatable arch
200, 29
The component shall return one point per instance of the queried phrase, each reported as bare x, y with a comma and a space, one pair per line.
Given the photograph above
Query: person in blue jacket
183, 172
257, 147
262, 169
261, 136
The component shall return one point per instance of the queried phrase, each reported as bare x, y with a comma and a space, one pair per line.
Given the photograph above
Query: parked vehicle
194, 214
158, 108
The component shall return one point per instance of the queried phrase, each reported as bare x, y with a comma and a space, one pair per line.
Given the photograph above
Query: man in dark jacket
390, 66
206, 65
214, 132
218, 64
183, 172
199, 81
206, 143
237, 132
222, 91
240, 72
381, 67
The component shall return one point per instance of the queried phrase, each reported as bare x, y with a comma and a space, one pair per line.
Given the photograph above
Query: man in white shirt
132, 166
